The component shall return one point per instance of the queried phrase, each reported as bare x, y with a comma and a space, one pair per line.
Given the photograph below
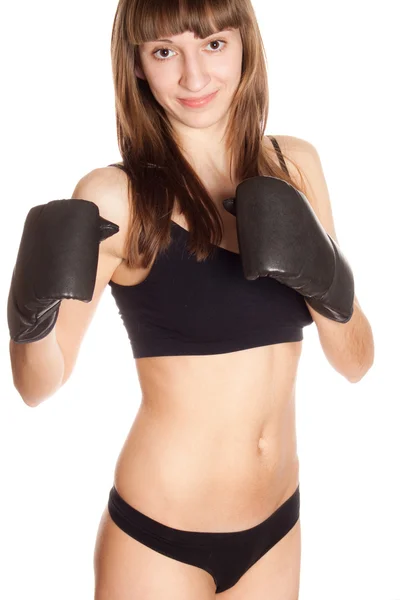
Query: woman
206, 491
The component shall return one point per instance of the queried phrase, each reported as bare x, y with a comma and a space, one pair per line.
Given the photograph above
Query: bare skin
213, 445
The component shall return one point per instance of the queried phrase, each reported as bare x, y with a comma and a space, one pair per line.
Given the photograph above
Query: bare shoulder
307, 159
291, 147
302, 155
291, 144
107, 187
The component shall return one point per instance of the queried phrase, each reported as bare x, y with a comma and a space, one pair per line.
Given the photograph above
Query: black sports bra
188, 308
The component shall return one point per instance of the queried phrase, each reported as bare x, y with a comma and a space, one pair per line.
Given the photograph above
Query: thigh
275, 576
126, 569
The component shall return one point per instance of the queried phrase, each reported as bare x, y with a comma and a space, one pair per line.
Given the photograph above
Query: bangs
154, 19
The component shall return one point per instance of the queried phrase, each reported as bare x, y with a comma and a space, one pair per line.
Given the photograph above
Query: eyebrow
171, 42
162, 40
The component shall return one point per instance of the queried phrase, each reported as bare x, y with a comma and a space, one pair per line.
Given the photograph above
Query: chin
204, 121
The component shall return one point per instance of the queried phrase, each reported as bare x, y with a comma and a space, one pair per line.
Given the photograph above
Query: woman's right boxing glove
57, 258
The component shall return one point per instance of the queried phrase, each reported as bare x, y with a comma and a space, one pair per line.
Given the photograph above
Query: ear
138, 67
139, 72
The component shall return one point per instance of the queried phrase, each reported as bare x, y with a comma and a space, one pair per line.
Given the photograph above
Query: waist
189, 477
214, 440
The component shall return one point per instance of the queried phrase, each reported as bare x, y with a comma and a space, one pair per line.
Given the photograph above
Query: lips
198, 101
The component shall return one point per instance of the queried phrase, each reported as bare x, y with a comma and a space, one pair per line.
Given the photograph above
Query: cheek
160, 83
231, 68
228, 75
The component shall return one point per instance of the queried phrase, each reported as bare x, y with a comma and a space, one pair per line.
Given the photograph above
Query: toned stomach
213, 445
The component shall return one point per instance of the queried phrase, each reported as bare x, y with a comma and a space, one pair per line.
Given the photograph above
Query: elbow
30, 401
22, 393
366, 362
34, 400
354, 378
30, 404
26, 399
361, 373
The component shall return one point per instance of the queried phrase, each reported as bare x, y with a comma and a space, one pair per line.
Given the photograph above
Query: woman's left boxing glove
280, 236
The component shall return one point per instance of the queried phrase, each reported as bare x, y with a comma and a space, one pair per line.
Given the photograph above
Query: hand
57, 259
280, 236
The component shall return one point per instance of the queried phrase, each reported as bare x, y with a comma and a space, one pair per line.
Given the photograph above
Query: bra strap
279, 154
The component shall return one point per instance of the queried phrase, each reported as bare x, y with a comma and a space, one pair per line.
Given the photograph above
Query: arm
349, 347
40, 368
37, 368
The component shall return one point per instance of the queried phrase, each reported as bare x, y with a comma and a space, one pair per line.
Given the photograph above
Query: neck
205, 149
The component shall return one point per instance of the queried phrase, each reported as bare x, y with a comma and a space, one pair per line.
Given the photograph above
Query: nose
194, 75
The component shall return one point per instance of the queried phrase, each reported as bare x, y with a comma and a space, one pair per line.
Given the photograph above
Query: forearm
349, 347
38, 368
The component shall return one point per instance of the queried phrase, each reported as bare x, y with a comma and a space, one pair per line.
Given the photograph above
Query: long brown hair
157, 171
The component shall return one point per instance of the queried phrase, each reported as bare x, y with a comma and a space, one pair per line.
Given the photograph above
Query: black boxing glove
57, 259
280, 236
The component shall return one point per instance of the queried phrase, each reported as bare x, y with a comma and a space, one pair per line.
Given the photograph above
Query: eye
160, 50
168, 50
217, 42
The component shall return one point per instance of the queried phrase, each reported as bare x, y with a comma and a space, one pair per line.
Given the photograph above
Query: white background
333, 74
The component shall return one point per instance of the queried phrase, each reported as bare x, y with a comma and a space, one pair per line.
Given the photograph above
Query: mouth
197, 102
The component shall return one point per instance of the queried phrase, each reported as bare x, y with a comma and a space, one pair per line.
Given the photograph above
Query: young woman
216, 259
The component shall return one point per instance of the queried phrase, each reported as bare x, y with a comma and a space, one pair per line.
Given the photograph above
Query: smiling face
184, 66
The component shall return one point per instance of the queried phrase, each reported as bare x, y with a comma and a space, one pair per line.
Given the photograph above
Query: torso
213, 445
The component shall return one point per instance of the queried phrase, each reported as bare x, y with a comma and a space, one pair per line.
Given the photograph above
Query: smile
198, 103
